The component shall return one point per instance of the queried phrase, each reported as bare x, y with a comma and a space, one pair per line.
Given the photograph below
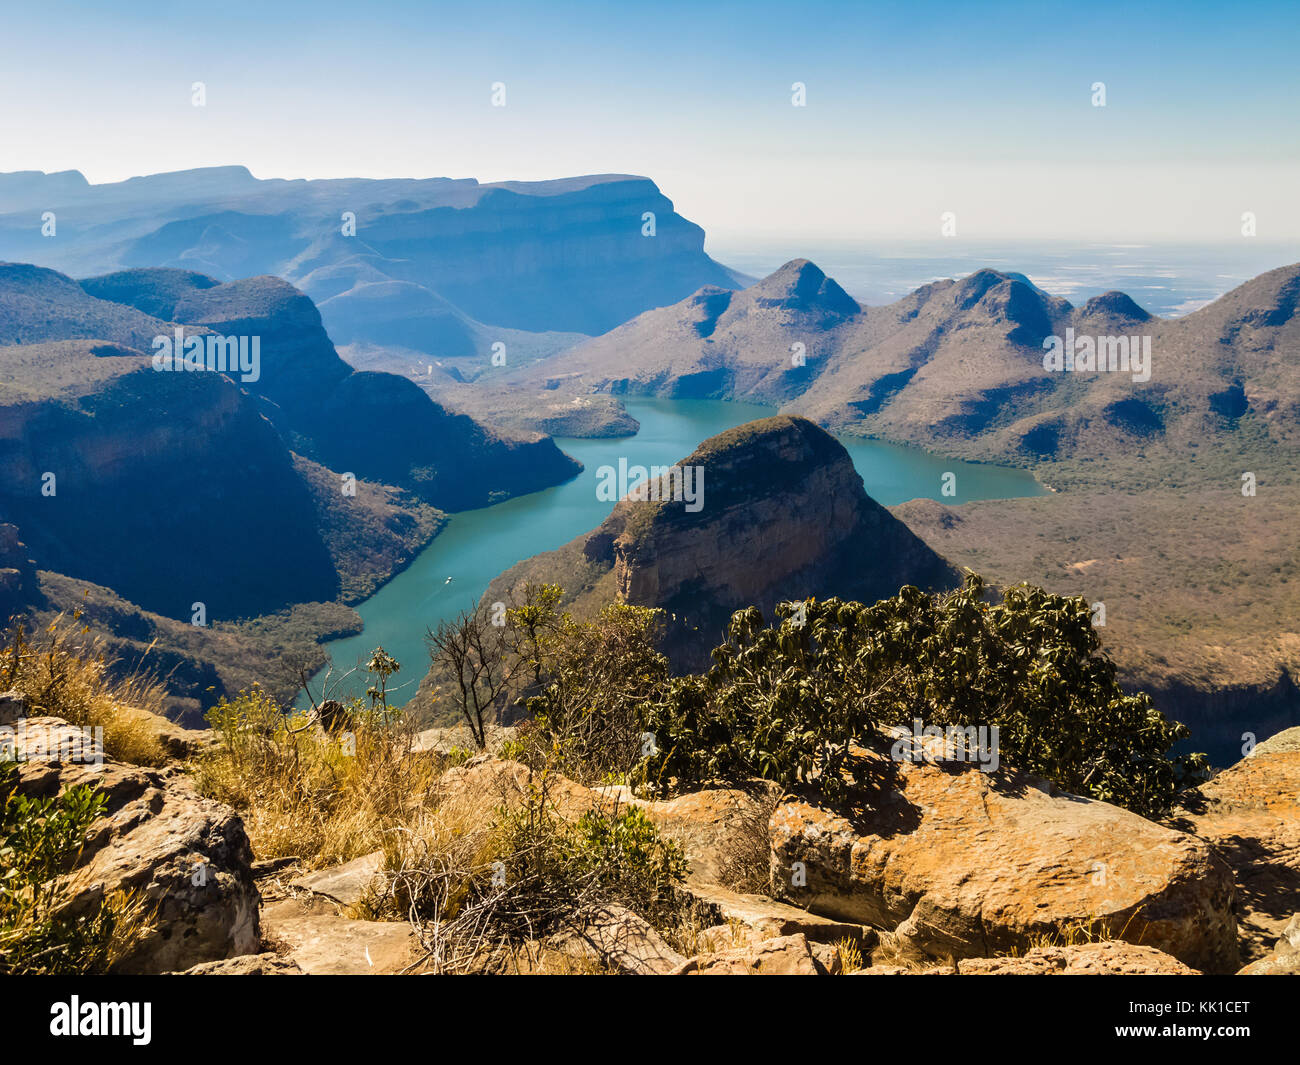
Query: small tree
475, 654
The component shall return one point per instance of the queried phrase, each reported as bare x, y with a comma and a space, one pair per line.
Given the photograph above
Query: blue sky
912, 109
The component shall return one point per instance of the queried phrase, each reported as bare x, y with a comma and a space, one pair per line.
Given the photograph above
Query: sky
913, 110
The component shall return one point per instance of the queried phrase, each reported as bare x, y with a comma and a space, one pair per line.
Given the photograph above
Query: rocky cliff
568, 254
782, 515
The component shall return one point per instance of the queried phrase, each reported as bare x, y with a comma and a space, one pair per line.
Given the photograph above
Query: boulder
1107, 958
962, 863
1285, 959
706, 822
619, 939
325, 944
188, 856
1250, 815
764, 918
345, 884
781, 956
246, 965
484, 784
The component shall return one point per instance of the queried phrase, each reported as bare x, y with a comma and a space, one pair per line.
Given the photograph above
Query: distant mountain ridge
958, 365
565, 255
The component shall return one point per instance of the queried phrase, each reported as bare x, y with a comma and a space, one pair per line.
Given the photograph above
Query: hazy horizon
987, 113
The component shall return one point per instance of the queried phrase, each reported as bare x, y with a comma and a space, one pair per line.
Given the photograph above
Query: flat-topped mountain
769, 511
579, 254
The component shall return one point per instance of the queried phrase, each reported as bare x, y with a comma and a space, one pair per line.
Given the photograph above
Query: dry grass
63, 671
322, 797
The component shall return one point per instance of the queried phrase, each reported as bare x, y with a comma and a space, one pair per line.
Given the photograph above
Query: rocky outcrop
1250, 814
327, 944
1285, 957
782, 956
268, 964
1105, 958
775, 511
616, 938
18, 585
960, 863
188, 857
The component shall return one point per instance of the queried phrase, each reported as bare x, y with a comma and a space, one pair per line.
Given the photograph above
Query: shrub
786, 701
478, 883
40, 840
321, 796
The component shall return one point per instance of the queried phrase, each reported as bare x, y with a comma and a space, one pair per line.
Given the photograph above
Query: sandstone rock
1285, 959
486, 784
246, 965
618, 938
13, 705
345, 884
1107, 958
765, 918
782, 956
329, 945
458, 737
188, 856
1250, 814
962, 863
704, 822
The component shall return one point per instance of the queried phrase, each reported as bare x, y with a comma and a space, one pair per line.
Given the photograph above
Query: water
1168, 280
478, 545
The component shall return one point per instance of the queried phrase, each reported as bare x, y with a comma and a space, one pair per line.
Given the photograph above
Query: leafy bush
474, 882
40, 839
786, 701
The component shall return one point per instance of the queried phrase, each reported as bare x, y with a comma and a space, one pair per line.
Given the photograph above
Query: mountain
958, 365
379, 426
567, 255
781, 514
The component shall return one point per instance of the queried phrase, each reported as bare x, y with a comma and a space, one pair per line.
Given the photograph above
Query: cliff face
565, 255
171, 489
784, 516
379, 426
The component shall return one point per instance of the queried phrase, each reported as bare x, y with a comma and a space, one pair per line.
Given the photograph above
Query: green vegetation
786, 702
40, 840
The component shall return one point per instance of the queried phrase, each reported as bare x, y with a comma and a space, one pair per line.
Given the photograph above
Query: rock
13, 706
962, 863
782, 956
1285, 959
458, 737
766, 918
188, 856
1107, 958
486, 784
268, 964
704, 822
620, 939
345, 884
1250, 814
329, 945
